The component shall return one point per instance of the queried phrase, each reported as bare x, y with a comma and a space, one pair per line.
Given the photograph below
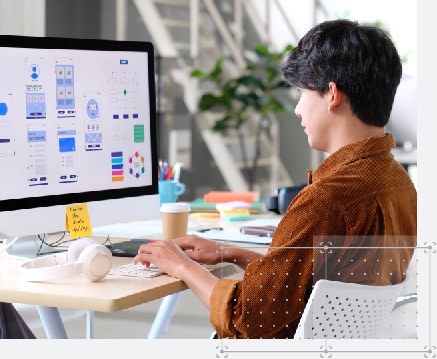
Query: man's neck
354, 132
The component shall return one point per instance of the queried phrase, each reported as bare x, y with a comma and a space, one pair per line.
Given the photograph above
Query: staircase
194, 33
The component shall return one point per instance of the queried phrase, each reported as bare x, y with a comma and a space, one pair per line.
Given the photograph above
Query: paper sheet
263, 222
139, 230
232, 234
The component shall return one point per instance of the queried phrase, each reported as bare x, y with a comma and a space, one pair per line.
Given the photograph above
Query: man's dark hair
362, 61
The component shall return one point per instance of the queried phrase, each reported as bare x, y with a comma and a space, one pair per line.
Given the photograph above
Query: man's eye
296, 93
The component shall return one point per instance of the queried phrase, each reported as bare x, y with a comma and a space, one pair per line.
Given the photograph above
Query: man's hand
200, 249
169, 257
166, 255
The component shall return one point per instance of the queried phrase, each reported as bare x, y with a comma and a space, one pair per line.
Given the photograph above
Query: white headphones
84, 256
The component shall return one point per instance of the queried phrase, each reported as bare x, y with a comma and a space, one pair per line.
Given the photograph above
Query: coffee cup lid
175, 207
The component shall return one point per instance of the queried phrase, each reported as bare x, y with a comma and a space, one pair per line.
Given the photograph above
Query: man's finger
185, 243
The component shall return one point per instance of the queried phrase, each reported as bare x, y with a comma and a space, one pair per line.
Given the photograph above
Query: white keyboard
136, 270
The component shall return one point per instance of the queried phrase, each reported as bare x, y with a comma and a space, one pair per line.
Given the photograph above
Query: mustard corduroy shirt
358, 201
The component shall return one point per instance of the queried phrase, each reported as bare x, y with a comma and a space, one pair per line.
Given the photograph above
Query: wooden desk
112, 293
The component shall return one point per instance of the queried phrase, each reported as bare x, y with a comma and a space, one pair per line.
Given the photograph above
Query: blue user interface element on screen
92, 109
35, 92
67, 144
3, 109
65, 99
77, 124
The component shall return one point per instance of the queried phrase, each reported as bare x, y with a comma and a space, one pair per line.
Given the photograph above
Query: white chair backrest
337, 310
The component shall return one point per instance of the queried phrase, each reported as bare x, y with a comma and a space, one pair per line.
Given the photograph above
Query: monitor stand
27, 247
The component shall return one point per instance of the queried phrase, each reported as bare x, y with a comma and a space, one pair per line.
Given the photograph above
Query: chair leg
404, 299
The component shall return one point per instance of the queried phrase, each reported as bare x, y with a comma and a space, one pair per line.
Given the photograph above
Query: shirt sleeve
269, 301
221, 300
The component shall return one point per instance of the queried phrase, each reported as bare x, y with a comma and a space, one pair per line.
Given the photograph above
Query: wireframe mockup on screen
77, 125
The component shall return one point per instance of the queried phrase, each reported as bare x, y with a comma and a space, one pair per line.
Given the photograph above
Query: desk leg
52, 322
89, 324
162, 319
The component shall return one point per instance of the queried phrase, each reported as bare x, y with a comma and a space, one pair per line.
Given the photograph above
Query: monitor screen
77, 126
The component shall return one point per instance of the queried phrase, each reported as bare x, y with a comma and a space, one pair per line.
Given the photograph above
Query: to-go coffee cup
174, 219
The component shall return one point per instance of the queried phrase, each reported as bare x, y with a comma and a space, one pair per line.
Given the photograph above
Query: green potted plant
254, 92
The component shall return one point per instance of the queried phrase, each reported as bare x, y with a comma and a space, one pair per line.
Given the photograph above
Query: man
359, 200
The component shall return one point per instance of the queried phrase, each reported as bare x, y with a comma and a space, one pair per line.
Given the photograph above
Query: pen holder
169, 191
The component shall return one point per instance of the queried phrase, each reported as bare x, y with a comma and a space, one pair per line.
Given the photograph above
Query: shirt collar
354, 151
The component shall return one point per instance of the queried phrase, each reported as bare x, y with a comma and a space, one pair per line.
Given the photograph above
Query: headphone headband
85, 256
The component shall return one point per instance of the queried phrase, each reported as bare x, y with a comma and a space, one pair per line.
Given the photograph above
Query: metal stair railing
179, 74
217, 144
278, 174
264, 33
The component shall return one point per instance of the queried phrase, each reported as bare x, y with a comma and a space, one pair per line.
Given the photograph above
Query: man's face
315, 118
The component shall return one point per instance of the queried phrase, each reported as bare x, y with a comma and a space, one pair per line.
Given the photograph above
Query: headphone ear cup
76, 248
96, 261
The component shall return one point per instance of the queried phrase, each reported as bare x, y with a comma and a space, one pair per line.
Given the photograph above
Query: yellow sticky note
236, 212
78, 221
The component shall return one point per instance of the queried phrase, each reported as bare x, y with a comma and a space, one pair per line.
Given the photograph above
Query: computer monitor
77, 126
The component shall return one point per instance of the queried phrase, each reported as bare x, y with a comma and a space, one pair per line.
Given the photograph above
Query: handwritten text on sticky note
78, 221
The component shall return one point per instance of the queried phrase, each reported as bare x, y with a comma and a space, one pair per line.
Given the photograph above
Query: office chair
337, 310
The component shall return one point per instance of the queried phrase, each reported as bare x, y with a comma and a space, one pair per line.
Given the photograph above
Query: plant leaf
197, 73
250, 81
262, 50
217, 71
208, 101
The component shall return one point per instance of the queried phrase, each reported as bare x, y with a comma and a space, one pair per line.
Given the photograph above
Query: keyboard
136, 270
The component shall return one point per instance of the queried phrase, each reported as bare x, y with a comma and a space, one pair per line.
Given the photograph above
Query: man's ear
335, 96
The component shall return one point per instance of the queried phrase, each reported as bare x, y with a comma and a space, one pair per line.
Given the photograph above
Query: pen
168, 175
210, 229
177, 171
163, 171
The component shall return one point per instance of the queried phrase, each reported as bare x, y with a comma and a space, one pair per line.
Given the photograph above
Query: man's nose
296, 111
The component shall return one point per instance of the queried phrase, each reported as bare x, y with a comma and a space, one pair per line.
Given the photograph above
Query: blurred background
268, 149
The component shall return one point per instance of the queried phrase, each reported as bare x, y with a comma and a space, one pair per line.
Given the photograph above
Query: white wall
400, 18
22, 17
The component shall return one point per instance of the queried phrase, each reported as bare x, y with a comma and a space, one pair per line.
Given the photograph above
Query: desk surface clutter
199, 205
228, 196
232, 206
235, 233
120, 291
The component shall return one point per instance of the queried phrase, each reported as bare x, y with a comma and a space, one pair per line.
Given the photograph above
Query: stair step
234, 139
176, 23
206, 43
182, 45
260, 163
180, 3
224, 149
